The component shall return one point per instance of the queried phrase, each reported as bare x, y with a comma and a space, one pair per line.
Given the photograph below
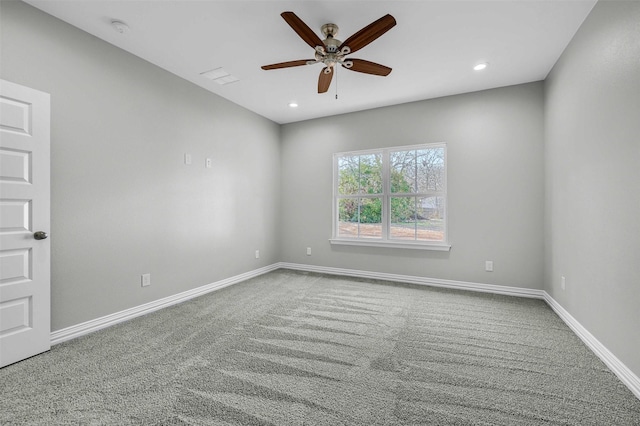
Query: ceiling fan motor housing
331, 44
331, 54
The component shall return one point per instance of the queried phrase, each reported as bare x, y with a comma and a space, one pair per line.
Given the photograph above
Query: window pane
403, 218
348, 175
430, 164
371, 218
348, 218
403, 172
360, 217
371, 174
430, 217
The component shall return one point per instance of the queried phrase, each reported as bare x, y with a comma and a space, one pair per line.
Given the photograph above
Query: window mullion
359, 192
415, 217
386, 190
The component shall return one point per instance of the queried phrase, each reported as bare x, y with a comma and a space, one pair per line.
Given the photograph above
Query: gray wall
495, 185
592, 157
123, 202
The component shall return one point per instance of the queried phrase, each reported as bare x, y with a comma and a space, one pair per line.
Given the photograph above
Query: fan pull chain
335, 69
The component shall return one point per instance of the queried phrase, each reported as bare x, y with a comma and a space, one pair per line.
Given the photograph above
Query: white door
25, 324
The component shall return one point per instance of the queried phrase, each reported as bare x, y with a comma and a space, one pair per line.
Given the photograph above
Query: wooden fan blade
286, 64
367, 67
369, 33
324, 81
302, 29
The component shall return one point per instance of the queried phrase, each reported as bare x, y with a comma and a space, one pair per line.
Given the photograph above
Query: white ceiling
432, 49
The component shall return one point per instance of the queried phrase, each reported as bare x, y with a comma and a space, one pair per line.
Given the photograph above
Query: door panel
24, 209
14, 165
16, 216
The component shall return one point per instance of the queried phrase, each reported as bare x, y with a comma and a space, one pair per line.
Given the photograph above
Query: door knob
40, 235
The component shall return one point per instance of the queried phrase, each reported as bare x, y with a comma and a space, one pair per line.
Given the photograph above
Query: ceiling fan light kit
331, 51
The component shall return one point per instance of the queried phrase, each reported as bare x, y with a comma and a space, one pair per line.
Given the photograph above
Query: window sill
392, 244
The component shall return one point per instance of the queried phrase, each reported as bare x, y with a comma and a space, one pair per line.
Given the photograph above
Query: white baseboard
615, 365
78, 330
433, 282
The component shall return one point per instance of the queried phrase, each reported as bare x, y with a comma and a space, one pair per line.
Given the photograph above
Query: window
392, 197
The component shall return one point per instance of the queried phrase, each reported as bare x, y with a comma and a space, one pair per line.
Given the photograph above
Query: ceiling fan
332, 51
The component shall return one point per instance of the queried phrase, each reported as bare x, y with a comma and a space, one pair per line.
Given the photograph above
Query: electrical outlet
488, 266
187, 159
145, 280
563, 283
308, 251
257, 254
208, 163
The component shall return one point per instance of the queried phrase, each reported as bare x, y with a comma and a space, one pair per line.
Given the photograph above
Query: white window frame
386, 241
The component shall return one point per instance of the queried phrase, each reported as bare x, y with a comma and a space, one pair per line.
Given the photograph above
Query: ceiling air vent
219, 75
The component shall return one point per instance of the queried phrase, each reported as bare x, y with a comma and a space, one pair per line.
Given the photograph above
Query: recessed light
481, 66
293, 105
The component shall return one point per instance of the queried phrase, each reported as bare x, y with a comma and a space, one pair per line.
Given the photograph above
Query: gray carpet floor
289, 348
